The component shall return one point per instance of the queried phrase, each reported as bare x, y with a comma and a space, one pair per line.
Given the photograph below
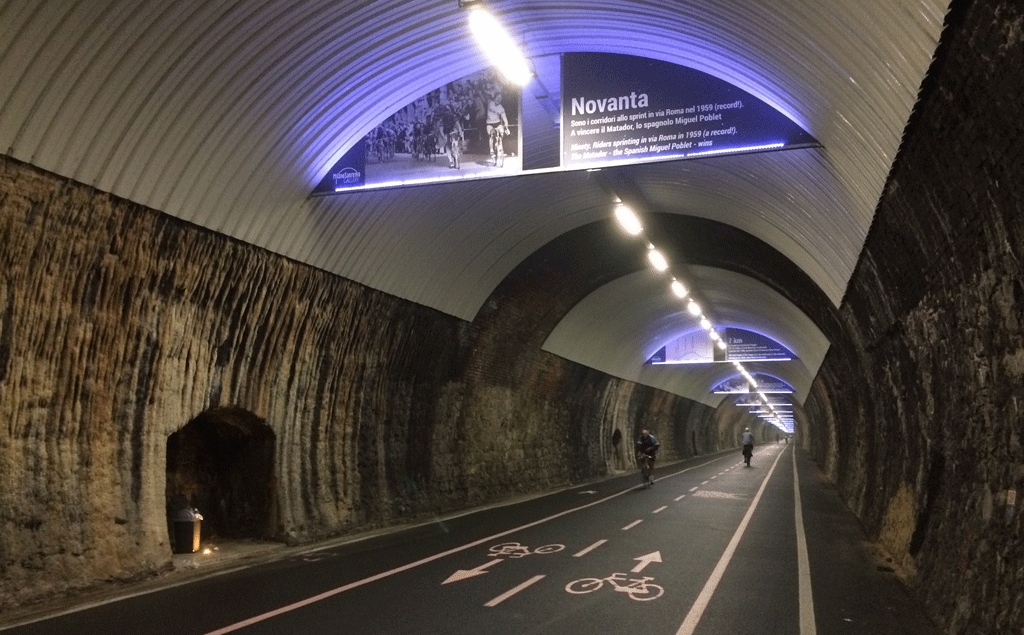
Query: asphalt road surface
712, 547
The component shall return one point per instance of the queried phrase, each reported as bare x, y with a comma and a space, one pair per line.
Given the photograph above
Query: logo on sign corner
347, 177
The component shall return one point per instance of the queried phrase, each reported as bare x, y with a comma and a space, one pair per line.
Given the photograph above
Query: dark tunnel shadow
222, 464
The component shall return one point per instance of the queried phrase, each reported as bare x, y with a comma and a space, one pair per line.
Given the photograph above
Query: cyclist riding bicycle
497, 125
748, 445
451, 132
647, 449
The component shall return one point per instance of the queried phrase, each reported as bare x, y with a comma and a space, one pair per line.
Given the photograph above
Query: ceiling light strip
631, 224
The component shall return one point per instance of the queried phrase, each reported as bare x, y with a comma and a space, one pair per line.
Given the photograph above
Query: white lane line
507, 594
589, 549
697, 610
705, 482
662, 508
807, 625
693, 489
713, 477
385, 574
681, 497
632, 525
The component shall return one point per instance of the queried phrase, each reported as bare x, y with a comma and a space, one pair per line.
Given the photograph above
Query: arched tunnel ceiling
227, 115
638, 310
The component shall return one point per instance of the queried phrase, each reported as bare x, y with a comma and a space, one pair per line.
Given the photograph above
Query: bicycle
637, 589
646, 465
497, 147
424, 145
516, 550
380, 150
454, 149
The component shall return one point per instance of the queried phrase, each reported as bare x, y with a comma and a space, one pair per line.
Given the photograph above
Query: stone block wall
918, 413
119, 325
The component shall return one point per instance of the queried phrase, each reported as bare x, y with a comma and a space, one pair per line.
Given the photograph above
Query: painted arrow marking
463, 574
646, 560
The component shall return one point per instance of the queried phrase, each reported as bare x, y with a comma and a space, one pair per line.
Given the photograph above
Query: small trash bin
186, 531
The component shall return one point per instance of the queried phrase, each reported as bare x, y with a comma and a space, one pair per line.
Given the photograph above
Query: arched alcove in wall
222, 464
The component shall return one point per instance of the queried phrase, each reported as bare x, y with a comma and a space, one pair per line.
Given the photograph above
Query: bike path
530, 593
206, 604
758, 592
498, 570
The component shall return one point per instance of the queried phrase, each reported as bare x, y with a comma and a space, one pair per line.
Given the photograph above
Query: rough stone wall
918, 413
119, 325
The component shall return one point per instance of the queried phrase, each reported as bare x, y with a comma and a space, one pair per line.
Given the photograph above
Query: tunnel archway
222, 464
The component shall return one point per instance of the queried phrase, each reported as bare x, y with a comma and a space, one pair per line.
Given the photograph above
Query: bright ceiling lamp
498, 46
679, 289
693, 308
628, 220
657, 260
721, 344
705, 324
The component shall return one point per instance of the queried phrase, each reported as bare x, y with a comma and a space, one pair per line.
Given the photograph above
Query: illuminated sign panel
746, 345
615, 110
691, 348
758, 404
696, 347
765, 383
622, 109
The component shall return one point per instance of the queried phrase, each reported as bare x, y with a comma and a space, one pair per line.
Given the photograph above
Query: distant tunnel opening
222, 464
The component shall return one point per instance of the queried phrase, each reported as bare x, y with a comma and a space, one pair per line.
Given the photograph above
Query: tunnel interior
222, 464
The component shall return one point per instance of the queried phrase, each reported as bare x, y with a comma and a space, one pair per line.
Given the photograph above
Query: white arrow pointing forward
646, 560
462, 574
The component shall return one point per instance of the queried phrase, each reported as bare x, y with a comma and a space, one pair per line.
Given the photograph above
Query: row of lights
504, 54
630, 223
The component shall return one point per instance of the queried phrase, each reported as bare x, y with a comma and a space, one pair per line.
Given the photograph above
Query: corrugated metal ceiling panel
227, 115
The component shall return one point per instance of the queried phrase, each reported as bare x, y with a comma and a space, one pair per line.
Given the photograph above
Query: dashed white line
662, 508
589, 549
507, 594
632, 525
332, 592
693, 489
681, 496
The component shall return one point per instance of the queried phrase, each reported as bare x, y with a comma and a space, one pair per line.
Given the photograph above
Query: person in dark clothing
647, 449
648, 444
748, 445
451, 133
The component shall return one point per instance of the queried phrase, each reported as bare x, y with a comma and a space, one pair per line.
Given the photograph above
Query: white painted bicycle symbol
637, 588
516, 550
